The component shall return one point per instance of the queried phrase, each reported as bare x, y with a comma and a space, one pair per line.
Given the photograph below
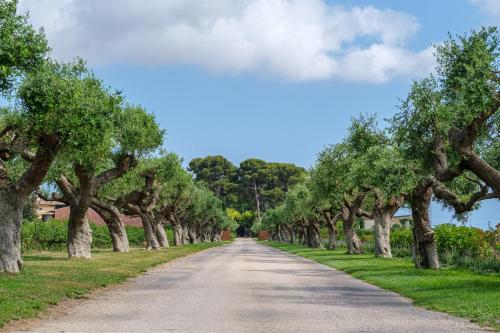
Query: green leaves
68, 100
468, 73
22, 49
219, 175
465, 86
136, 131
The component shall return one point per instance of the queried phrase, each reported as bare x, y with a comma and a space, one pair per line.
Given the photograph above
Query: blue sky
215, 94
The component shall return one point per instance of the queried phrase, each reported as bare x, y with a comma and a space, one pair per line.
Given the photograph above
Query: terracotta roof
92, 216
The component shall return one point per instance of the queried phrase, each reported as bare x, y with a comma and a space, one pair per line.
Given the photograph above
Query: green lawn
49, 277
461, 293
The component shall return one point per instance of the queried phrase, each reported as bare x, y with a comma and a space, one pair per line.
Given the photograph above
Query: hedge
51, 235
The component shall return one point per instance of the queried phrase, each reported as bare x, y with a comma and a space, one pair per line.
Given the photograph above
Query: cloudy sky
273, 79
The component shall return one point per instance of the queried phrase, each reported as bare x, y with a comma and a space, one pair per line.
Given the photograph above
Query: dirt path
248, 287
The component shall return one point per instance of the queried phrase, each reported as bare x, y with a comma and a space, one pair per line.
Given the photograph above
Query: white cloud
489, 7
294, 39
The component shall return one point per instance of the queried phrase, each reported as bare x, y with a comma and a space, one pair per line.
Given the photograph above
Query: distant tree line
253, 186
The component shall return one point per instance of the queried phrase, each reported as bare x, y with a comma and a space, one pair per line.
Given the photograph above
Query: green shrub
401, 238
37, 235
401, 252
368, 246
458, 246
489, 265
461, 240
365, 235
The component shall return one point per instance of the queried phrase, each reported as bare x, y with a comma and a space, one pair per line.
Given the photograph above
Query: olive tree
204, 217
388, 177
115, 135
54, 114
299, 207
271, 220
135, 133
383, 173
174, 199
424, 130
469, 85
21, 142
331, 178
138, 192
22, 48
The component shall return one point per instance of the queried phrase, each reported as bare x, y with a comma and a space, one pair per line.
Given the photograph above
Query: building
402, 221
45, 210
132, 221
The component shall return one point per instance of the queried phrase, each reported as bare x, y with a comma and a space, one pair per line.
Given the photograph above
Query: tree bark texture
349, 212
382, 231
112, 217
149, 232
331, 224
13, 195
160, 233
424, 243
11, 206
313, 236
79, 241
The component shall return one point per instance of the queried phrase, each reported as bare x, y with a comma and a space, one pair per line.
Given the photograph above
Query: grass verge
457, 292
49, 277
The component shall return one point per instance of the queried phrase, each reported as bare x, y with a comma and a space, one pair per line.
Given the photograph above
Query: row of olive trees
63, 126
442, 144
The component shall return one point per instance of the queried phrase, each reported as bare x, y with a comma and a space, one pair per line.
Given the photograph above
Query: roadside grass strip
49, 277
457, 292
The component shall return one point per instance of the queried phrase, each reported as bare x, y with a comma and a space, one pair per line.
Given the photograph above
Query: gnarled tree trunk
79, 241
332, 238
424, 244
160, 233
382, 231
331, 224
13, 195
80, 198
216, 234
185, 236
313, 236
193, 235
149, 231
11, 208
351, 238
291, 233
305, 235
278, 234
463, 141
382, 215
111, 216
349, 212
177, 230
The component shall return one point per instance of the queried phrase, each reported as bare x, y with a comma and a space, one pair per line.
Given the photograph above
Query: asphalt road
248, 287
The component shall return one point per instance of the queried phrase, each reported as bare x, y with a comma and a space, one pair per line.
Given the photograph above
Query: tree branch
443, 171
9, 150
6, 130
364, 213
443, 193
67, 189
53, 197
125, 163
33, 176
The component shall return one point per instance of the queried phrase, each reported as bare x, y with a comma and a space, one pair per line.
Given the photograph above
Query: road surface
248, 287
